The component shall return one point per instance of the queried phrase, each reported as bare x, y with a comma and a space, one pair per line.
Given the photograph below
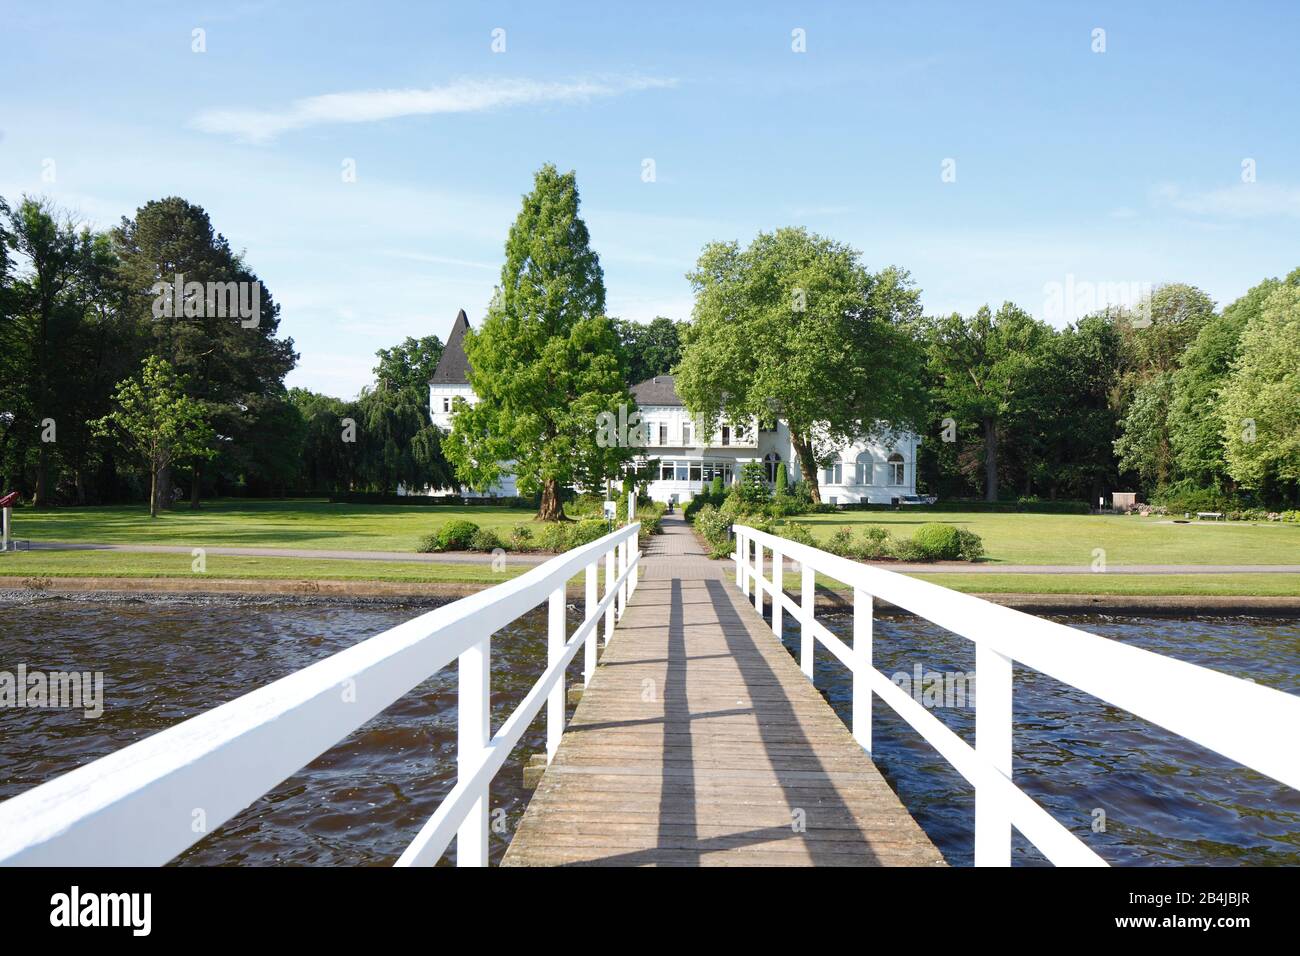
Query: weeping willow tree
397, 443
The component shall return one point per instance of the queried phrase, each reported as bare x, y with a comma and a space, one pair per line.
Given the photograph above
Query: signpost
7, 503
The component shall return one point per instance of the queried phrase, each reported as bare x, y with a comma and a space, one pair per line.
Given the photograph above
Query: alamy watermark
22, 688
196, 300
1074, 299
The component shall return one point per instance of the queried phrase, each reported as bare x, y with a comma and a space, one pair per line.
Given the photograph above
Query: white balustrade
1246, 722
138, 805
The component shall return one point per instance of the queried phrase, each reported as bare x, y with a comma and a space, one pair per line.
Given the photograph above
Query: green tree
779, 488
1261, 399
228, 361
794, 327
155, 417
545, 363
409, 365
54, 251
982, 369
652, 349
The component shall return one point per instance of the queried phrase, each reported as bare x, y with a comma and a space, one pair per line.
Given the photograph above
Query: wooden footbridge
698, 740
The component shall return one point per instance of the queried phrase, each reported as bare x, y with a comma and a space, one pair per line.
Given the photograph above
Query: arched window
896, 469
770, 461
864, 469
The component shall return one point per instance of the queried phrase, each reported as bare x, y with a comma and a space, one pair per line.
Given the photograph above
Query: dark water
361, 802
1166, 801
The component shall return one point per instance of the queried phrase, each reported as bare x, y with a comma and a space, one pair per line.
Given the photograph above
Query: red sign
9, 500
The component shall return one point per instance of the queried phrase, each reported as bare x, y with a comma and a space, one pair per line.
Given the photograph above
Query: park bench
1212, 515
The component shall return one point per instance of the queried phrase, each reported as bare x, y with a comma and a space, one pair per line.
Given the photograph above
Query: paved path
462, 557
699, 743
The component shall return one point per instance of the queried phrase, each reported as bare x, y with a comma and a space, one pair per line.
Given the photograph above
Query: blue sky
1118, 169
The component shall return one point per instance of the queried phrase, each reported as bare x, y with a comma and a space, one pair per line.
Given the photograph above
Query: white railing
150, 801
1246, 722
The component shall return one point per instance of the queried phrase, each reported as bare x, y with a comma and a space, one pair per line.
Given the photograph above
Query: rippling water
360, 803
1165, 800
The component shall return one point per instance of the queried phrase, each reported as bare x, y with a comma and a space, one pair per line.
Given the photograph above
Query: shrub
779, 488
587, 531
521, 538
753, 483
799, 533
553, 536
841, 542
711, 524
484, 539
428, 544
972, 545
875, 544
453, 536
716, 489
938, 542
909, 550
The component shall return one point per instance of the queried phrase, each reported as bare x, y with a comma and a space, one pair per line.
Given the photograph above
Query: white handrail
1244, 721
146, 803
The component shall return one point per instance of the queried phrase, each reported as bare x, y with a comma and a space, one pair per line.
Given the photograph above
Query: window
726, 435
896, 467
663, 433
770, 461
683, 471
686, 433
446, 404
695, 471
666, 471
865, 469
835, 474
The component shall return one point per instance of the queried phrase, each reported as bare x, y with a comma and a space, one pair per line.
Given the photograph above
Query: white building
451, 381
688, 461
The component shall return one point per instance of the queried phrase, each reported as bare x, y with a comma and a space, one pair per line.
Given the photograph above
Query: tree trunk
153, 492
808, 465
551, 509
42, 496
165, 487
990, 459
80, 480
195, 483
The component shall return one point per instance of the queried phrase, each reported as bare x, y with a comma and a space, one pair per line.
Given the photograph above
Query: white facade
863, 472
441, 399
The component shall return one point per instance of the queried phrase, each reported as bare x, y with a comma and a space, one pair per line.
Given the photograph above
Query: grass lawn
124, 564
1070, 539
235, 522
1231, 585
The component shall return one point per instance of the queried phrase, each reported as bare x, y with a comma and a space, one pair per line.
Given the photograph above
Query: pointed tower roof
453, 366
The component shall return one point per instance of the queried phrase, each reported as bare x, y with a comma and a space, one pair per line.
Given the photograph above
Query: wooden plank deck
700, 743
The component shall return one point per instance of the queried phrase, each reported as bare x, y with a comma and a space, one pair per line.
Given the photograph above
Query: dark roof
656, 391
453, 366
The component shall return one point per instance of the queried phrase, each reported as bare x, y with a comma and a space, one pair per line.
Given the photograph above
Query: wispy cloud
368, 106
1242, 201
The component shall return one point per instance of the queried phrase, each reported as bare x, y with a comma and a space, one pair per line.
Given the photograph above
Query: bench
1214, 515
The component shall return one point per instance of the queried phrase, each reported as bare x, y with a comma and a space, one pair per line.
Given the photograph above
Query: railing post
778, 585
473, 726
993, 744
634, 545
589, 654
554, 651
740, 561
862, 622
610, 577
622, 569
758, 577
808, 605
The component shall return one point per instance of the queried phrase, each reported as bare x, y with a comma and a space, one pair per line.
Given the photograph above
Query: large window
686, 434
683, 471
663, 433
770, 461
896, 469
726, 435
864, 469
835, 474
665, 471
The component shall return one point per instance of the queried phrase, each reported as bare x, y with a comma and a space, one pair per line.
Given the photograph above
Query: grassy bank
1071, 539
261, 524
1216, 585
123, 564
